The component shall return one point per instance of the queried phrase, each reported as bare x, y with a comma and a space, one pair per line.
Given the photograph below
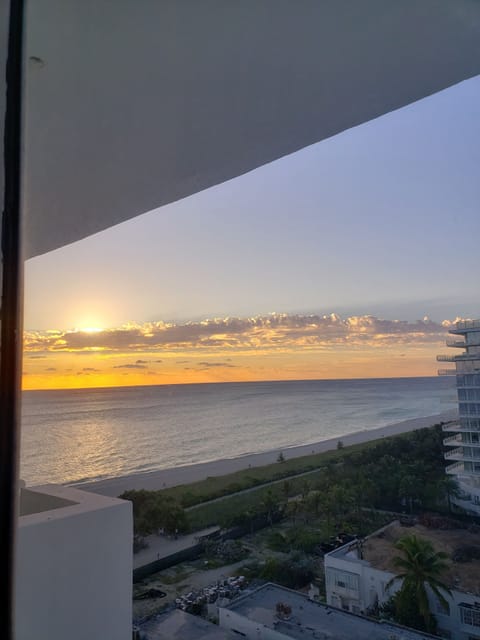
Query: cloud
271, 332
130, 366
89, 369
36, 356
51, 369
216, 364
142, 362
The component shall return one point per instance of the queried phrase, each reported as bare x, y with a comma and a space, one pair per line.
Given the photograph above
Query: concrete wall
74, 572
190, 553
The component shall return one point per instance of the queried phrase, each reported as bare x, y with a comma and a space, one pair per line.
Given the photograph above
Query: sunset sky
348, 259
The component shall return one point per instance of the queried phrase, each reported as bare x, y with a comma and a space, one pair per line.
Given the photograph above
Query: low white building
276, 613
358, 573
74, 565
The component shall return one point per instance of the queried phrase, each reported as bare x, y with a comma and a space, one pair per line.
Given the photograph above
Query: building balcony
459, 358
461, 454
465, 326
461, 344
454, 454
454, 427
447, 372
457, 468
83, 542
453, 441
446, 358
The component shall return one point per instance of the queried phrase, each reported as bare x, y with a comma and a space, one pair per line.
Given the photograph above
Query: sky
348, 259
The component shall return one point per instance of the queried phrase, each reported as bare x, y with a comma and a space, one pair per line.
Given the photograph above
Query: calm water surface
90, 434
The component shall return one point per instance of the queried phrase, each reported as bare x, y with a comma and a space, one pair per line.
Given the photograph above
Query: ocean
91, 434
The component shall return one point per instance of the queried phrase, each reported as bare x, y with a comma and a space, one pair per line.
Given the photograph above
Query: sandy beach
191, 473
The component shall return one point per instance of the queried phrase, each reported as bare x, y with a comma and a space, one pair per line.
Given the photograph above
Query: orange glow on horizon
67, 371
259, 348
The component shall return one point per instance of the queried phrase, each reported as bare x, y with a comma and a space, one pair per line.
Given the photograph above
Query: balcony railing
452, 441
456, 468
456, 343
454, 454
475, 342
465, 325
447, 372
454, 427
446, 358
459, 358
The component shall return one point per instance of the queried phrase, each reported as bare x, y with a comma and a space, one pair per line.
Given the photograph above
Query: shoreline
187, 474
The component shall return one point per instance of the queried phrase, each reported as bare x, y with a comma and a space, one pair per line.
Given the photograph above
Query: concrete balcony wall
74, 567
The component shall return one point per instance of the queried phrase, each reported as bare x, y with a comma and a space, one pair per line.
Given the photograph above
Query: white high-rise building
465, 439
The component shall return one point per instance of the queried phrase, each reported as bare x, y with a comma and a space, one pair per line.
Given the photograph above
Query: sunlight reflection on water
90, 434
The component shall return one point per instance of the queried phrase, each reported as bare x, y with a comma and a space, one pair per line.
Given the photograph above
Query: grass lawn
218, 486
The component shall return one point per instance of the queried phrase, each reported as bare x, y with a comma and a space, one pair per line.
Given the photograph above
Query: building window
470, 615
342, 579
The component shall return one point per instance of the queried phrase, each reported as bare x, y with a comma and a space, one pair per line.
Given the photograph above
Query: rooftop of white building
311, 619
378, 550
52, 501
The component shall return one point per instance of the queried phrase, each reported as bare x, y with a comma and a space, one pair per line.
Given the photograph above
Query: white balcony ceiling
132, 104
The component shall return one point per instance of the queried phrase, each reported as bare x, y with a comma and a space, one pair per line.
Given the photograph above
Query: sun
89, 322
90, 329
90, 325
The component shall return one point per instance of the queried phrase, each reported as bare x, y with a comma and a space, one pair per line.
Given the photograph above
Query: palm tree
286, 488
269, 505
420, 566
449, 488
293, 509
314, 502
306, 488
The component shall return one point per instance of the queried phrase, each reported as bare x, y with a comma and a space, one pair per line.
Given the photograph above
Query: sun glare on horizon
89, 329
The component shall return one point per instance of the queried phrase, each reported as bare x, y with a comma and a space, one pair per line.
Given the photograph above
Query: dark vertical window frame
11, 318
